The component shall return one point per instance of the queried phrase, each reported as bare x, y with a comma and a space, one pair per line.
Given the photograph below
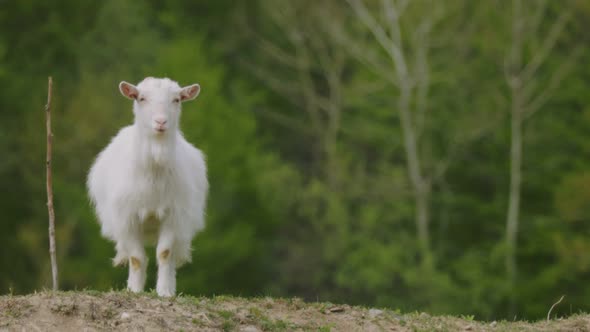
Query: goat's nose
161, 122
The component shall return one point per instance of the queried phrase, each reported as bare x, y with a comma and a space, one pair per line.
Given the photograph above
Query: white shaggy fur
150, 182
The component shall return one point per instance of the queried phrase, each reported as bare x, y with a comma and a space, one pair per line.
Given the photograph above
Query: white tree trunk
420, 186
513, 214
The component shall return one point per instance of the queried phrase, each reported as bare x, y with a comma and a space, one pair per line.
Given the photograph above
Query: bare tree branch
547, 46
537, 17
365, 56
392, 16
556, 79
380, 35
513, 64
422, 72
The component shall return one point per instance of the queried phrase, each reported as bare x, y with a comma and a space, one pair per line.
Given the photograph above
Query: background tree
410, 59
529, 90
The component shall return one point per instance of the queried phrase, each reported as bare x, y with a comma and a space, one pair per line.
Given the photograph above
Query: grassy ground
90, 311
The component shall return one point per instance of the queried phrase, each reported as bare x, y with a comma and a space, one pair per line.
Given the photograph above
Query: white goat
149, 181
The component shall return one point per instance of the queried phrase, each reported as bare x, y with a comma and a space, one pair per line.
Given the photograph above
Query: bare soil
123, 311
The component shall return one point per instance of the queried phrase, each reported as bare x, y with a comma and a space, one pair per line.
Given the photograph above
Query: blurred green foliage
297, 207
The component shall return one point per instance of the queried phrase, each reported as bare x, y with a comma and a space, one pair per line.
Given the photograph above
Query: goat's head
157, 103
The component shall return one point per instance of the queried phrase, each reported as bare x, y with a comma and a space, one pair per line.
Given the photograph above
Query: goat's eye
176, 100
141, 98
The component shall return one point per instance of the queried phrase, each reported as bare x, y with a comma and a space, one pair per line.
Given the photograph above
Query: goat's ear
128, 90
190, 92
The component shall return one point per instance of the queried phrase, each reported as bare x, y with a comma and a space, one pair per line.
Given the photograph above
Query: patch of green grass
255, 312
151, 293
228, 325
221, 298
322, 307
268, 324
275, 326
225, 314
470, 318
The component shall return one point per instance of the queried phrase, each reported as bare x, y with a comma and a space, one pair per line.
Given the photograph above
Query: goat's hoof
135, 289
165, 291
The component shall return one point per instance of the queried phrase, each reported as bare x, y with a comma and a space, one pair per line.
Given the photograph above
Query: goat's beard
161, 152
158, 149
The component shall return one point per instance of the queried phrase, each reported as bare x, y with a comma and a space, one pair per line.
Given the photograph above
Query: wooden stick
49, 187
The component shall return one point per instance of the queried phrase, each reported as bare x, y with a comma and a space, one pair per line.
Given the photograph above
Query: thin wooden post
49, 186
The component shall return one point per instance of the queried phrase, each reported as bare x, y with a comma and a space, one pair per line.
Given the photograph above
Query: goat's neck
155, 151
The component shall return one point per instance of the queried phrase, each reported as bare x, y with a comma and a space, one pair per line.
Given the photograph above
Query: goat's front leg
137, 262
166, 284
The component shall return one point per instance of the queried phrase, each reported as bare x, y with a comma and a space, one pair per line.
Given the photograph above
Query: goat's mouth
160, 130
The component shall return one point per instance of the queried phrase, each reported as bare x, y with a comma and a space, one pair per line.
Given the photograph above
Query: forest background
411, 154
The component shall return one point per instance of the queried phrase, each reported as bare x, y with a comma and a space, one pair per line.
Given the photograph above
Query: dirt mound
90, 311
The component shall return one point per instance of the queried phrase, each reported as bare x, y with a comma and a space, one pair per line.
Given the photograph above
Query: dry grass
95, 311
